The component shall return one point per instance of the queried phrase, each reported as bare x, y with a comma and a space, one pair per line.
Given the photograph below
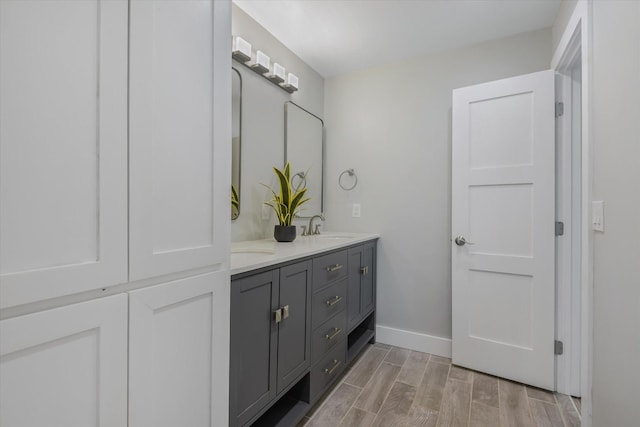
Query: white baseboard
414, 341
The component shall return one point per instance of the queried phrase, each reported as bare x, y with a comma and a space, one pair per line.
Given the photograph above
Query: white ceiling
338, 36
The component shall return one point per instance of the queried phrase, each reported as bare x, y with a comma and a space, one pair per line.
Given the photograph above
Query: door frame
576, 43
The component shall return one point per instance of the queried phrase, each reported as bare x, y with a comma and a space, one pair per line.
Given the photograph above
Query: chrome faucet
310, 231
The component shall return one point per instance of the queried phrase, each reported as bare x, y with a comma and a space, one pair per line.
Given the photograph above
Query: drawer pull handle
334, 301
364, 270
333, 268
336, 332
335, 366
278, 315
285, 312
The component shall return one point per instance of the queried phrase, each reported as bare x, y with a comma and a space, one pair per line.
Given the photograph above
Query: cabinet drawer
328, 369
328, 268
328, 302
328, 335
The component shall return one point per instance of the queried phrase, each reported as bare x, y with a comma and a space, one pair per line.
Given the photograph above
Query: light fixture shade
262, 62
241, 49
279, 72
292, 80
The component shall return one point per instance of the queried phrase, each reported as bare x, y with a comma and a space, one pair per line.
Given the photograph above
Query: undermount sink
245, 255
334, 236
253, 250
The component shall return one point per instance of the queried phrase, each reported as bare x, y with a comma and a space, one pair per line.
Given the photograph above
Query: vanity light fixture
241, 50
278, 73
262, 63
292, 83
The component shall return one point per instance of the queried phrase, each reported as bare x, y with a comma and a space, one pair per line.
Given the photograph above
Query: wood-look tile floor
391, 386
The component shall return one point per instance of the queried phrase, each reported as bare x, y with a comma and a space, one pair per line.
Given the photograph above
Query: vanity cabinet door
253, 364
294, 338
180, 73
367, 273
361, 283
354, 300
66, 366
63, 148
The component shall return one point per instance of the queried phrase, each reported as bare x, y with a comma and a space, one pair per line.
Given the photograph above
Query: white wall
263, 123
392, 124
616, 151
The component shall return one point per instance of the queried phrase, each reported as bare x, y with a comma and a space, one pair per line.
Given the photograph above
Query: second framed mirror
304, 149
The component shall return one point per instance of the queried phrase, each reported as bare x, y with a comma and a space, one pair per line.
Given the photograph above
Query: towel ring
351, 173
303, 180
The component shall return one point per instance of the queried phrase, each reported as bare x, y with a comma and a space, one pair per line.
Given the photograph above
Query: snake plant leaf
298, 199
235, 200
287, 171
285, 187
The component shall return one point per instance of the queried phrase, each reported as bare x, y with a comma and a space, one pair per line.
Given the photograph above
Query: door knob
461, 241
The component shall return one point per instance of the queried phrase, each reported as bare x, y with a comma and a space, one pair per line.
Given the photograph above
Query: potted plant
286, 204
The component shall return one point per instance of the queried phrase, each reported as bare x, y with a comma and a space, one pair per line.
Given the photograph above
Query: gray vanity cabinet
270, 340
361, 283
294, 330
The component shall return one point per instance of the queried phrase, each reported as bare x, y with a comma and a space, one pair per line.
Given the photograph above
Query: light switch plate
597, 215
355, 210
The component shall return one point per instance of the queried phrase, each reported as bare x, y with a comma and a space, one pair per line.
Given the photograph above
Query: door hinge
559, 228
558, 347
559, 109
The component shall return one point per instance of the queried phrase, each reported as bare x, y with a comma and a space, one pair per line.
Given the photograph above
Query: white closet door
66, 367
180, 101
179, 353
63, 147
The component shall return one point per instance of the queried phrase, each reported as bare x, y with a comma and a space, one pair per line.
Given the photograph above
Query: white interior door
503, 175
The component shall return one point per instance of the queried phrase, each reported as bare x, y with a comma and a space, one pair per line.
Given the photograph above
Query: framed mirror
304, 149
236, 140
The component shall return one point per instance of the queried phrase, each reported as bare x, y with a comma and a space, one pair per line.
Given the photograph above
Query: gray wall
561, 21
393, 125
616, 155
263, 123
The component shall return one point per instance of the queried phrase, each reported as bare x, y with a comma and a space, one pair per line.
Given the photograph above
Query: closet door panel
66, 366
63, 148
176, 170
179, 352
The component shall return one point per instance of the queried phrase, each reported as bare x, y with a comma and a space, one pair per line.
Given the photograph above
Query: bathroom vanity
300, 313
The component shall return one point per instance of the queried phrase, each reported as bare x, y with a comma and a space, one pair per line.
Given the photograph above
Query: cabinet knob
285, 312
277, 314
364, 270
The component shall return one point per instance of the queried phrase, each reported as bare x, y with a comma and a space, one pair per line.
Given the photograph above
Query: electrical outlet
597, 215
355, 210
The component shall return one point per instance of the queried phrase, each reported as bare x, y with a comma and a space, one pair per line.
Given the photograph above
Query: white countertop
254, 254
